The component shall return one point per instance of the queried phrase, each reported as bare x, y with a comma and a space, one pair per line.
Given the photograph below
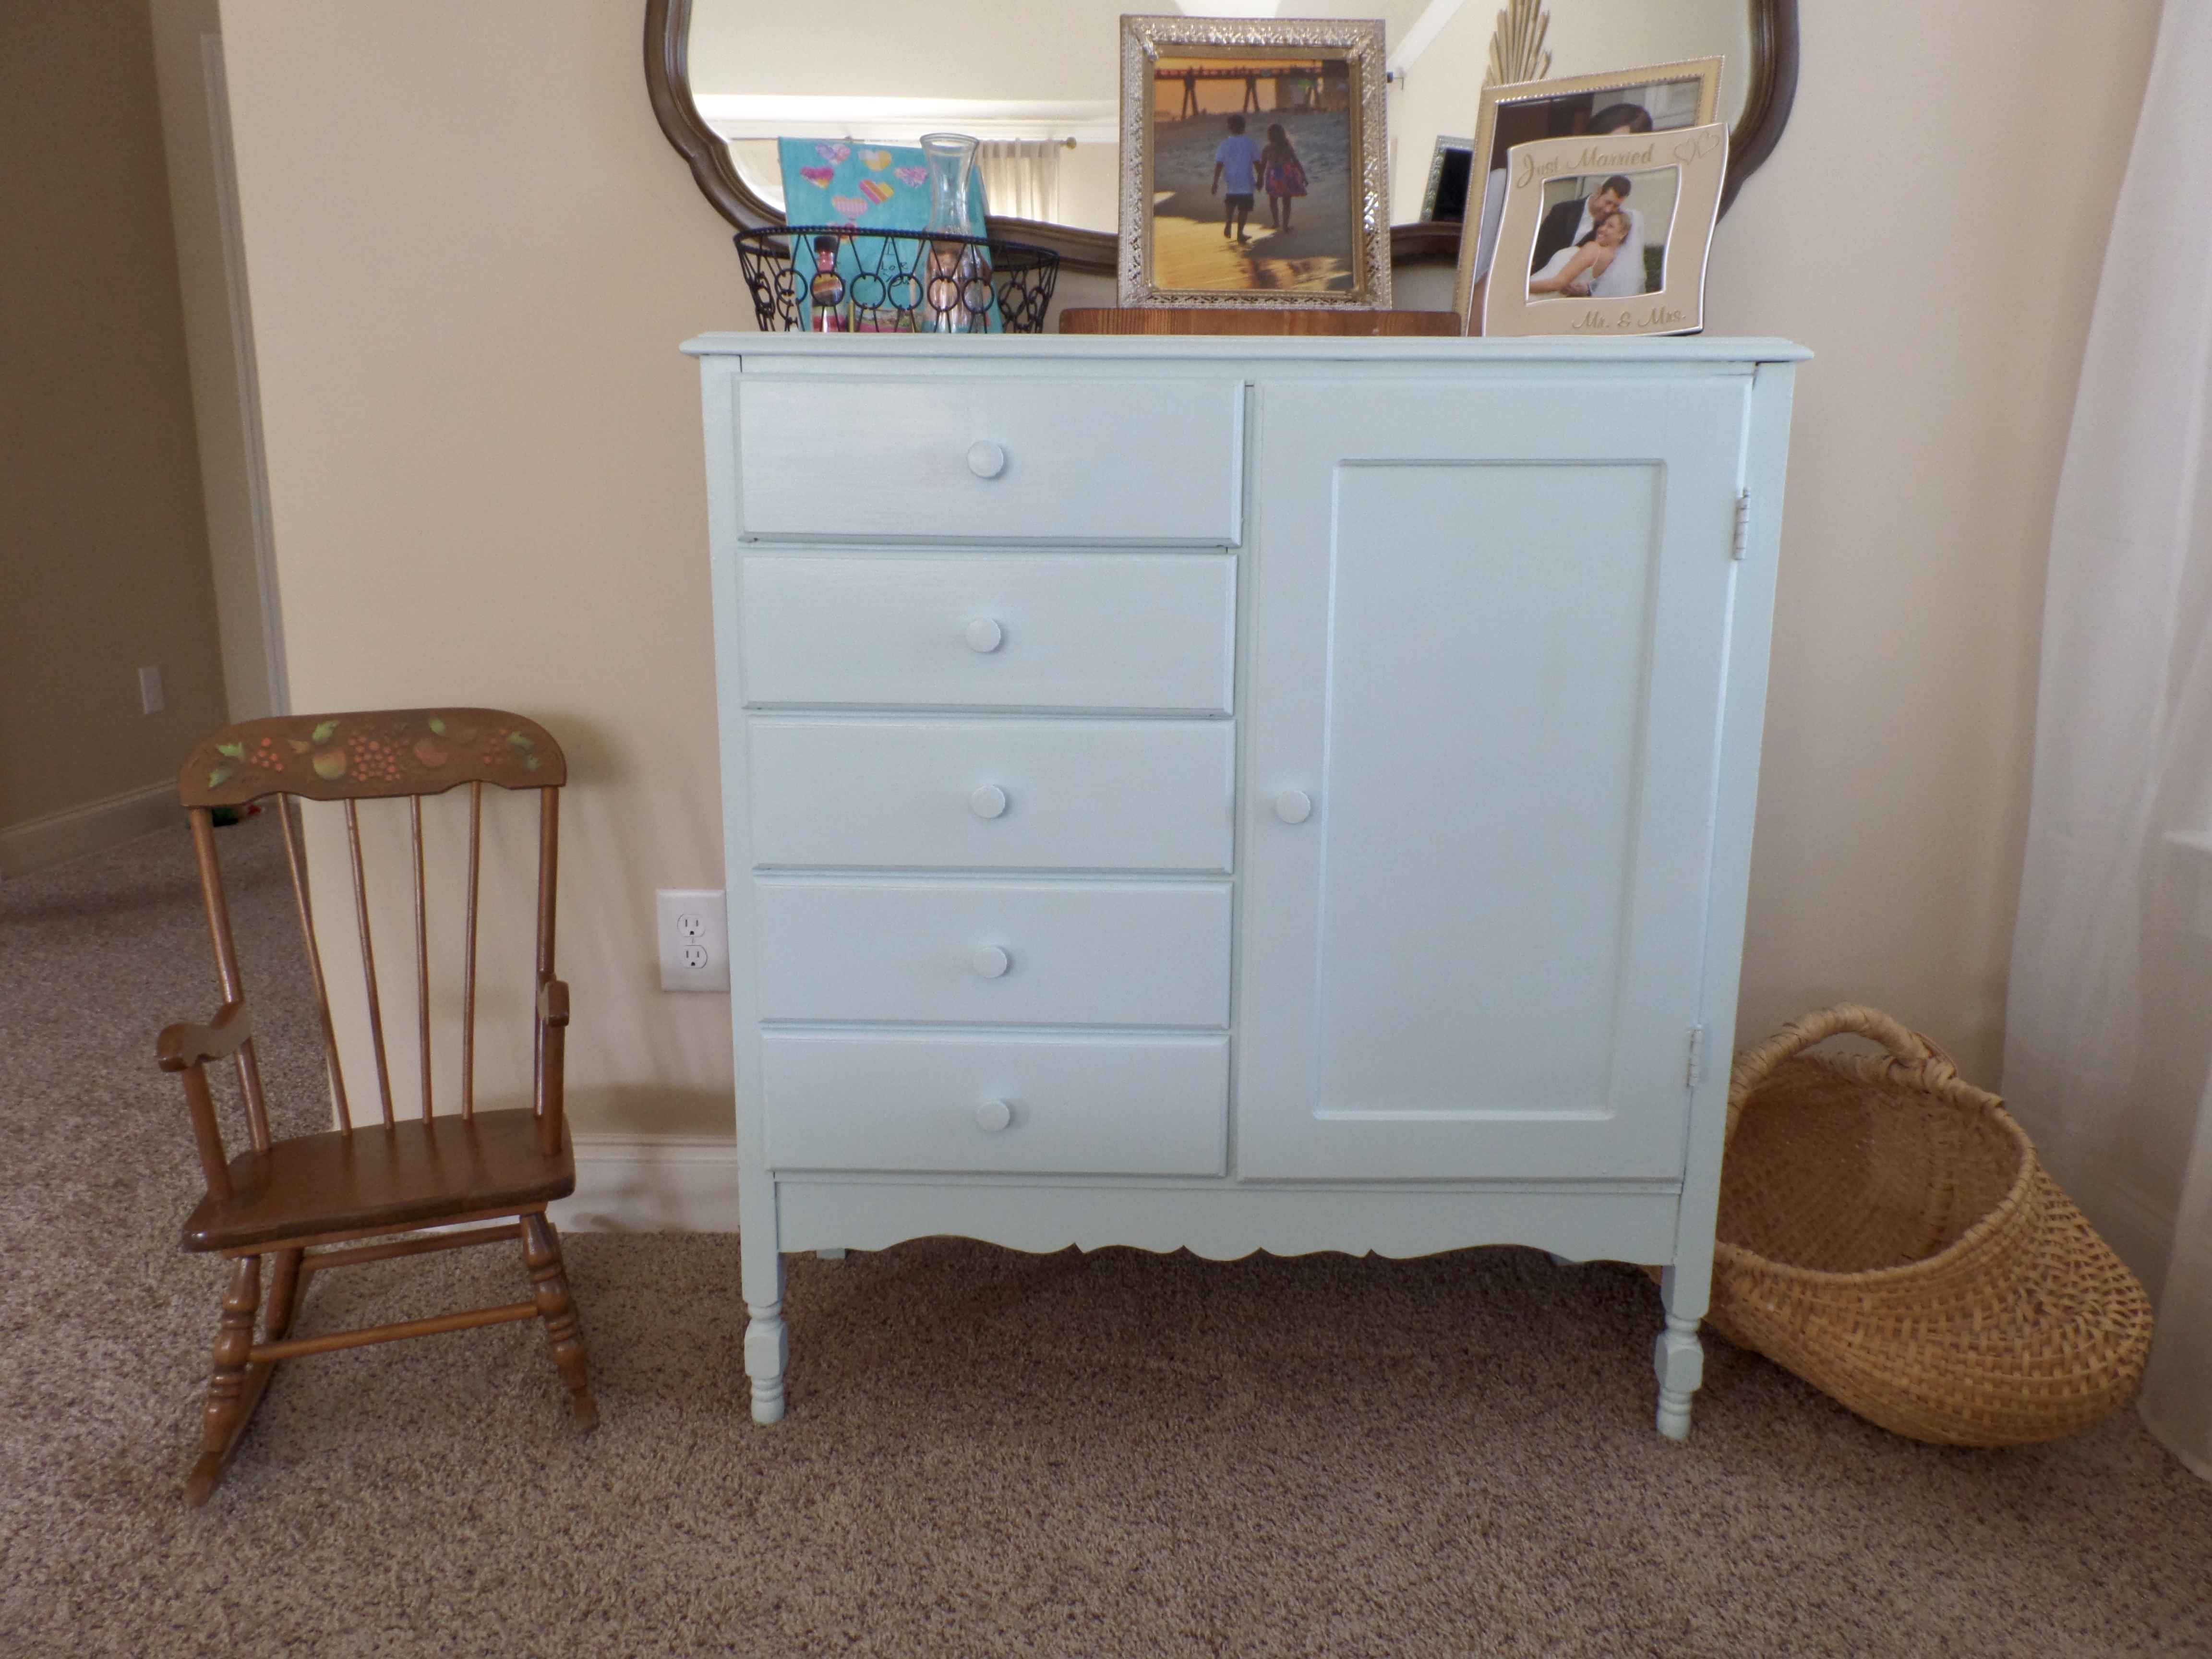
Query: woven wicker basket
1887, 1234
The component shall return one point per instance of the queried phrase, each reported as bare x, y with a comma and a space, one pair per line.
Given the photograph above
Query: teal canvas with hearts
859, 186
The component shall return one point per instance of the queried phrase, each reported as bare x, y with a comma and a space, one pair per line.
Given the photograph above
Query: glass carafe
958, 286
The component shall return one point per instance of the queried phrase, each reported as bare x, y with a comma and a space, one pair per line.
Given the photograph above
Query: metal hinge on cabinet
1697, 1068
1742, 523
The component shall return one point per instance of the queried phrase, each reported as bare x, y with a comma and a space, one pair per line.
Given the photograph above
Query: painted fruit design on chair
335, 752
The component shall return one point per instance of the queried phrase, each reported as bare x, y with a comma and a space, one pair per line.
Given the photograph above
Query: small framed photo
1623, 103
1254, 170
1606, 236
1450, 168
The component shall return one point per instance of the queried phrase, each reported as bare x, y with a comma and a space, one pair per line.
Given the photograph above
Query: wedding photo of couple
1624, 105
1593, 243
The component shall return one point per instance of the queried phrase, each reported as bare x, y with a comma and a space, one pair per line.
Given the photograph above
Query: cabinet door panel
1487, 647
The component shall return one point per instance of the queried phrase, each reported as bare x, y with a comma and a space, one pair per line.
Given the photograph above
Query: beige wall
1932, 225
472, 255
103, 547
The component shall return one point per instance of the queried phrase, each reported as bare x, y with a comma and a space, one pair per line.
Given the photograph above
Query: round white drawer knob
986, 460
991, 961
1294, 806
988, 802
993, 1115
985, 636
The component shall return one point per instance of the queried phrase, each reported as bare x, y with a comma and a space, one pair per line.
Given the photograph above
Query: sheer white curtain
2108, 1052
1021, 177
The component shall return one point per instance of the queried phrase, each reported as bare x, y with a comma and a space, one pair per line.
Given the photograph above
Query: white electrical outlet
694, 939
150, 700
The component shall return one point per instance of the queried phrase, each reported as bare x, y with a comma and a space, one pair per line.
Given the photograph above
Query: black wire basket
835, 279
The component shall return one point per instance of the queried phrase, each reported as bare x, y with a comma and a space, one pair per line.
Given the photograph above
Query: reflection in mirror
1037, 80
1439, 64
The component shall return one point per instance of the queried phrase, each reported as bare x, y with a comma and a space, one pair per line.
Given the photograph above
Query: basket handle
1908, 1049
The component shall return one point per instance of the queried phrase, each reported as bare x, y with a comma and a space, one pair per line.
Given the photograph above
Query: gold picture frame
1686, 93
1326, 244
1611, 278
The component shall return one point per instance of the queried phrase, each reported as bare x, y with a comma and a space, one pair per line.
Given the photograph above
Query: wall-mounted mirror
1038, 80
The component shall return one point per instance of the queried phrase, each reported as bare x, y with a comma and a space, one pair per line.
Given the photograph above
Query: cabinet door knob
991, 961
993, 1115
985, 636
986, 460
1294, 806
989, 801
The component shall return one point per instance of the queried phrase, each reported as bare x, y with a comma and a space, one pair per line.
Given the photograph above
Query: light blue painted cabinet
1239, 795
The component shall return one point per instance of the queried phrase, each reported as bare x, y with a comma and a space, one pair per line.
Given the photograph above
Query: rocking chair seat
414, 1174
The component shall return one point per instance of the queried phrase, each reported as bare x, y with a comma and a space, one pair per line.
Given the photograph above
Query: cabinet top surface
1039, 347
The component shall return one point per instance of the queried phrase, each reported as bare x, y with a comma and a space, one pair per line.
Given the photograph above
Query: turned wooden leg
234, 1388
767, 1347
541, 1248
283, 1295
1677, 1357
1679, 1360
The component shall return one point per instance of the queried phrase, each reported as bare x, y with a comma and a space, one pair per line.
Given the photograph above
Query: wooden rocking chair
285, 1198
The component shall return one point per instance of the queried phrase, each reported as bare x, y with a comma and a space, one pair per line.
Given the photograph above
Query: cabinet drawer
1057, 1104
1099, 460
1136, 631
998, 952
993, 794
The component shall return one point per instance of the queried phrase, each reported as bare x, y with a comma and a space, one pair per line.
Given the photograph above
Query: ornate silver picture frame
1291, 111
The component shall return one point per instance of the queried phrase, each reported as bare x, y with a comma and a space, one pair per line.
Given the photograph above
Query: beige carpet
988, 1452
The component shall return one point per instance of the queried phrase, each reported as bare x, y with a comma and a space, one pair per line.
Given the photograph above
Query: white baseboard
89, 829
652, 1184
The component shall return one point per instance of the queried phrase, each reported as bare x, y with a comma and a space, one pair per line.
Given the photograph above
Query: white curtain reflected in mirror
1021, 177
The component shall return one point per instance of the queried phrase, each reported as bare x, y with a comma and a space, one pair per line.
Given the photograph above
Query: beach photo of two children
1252, 175
1256, 169
1253, 180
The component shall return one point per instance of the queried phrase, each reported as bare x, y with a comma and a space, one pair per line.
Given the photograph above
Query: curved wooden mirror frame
667, 79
